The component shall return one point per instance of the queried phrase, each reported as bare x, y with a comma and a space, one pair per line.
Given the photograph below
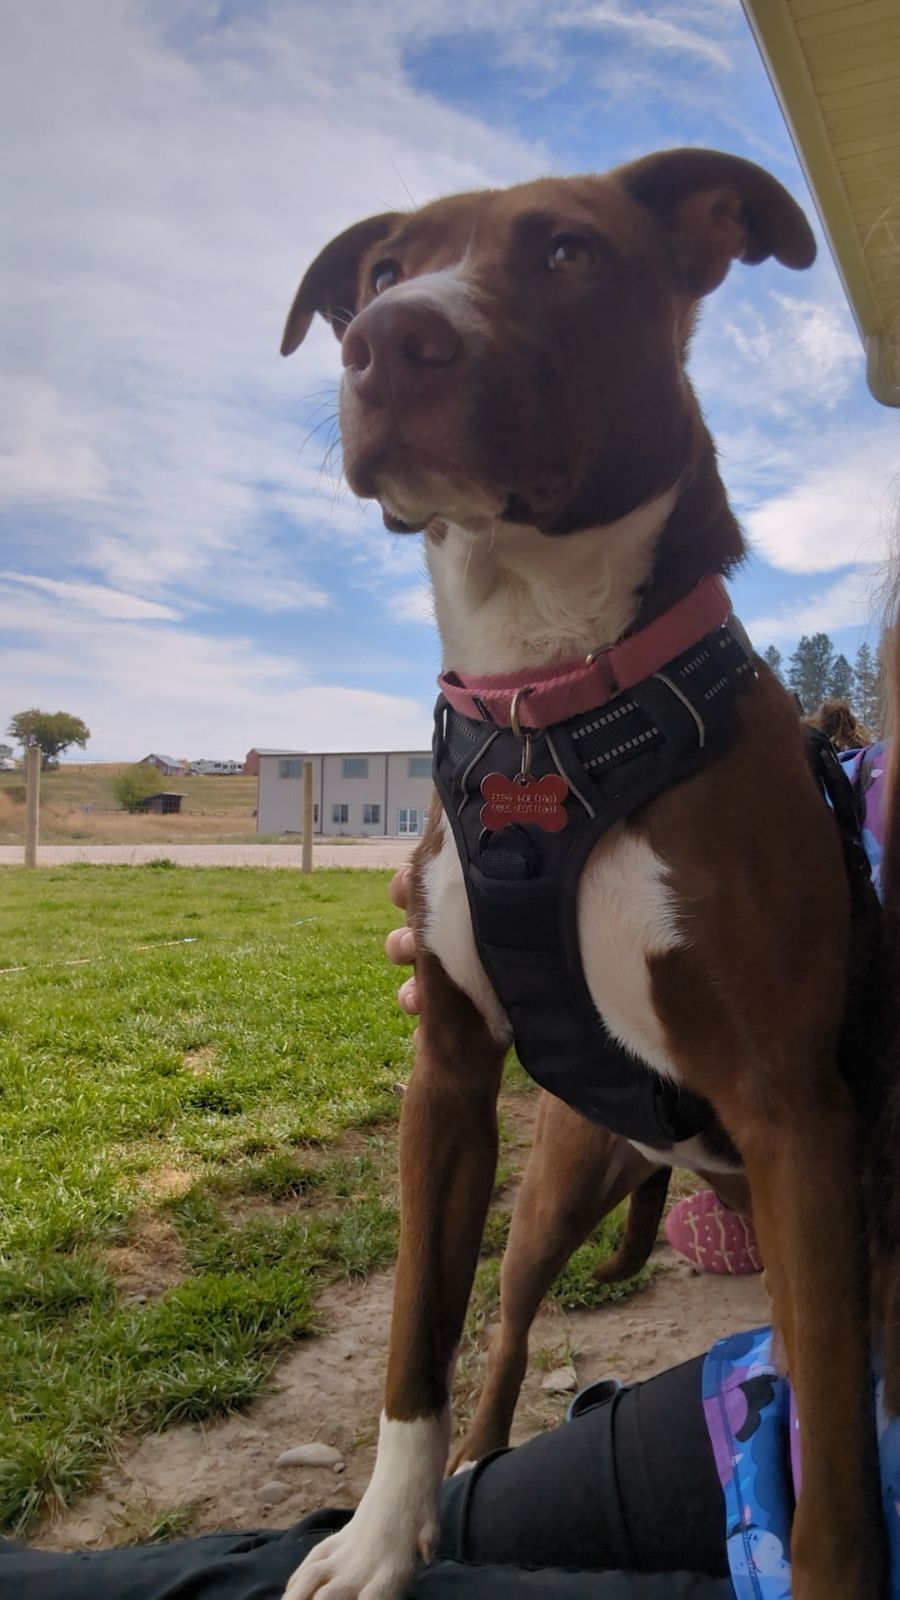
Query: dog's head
519, 353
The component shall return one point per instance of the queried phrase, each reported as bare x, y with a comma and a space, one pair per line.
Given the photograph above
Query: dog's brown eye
384, 275
567, 250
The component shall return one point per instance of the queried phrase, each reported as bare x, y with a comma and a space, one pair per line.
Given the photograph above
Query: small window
371, 816
290, 769
419, 767
316, 815
355, 767
340, 813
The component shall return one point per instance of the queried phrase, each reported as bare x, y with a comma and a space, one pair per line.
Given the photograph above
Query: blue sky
177, 564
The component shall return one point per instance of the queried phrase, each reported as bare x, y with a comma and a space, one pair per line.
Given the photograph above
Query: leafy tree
866, 684
135, 785
54, 731
773, 659
840, 683
809, 670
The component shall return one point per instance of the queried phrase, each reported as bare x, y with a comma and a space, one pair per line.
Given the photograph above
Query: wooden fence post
32, 802
307, 816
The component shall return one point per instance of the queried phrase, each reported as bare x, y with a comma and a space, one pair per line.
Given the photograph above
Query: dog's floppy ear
718, 209
330, 285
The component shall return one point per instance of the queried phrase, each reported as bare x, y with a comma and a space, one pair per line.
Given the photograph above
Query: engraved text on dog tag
535, 800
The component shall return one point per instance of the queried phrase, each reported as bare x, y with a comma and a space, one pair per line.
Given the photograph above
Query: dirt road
366, 853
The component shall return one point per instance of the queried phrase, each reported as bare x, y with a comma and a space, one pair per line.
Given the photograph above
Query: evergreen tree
880, 724
840, 683
809, 670
772, 658
866, 697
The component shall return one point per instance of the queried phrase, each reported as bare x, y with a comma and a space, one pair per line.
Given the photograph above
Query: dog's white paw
359, 1563
396, 1521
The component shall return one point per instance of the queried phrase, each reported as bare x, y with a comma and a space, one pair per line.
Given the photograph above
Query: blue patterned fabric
752, 1426
747, 1410
867, 770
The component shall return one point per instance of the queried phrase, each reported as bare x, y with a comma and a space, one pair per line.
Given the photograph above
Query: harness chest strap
614, 754
522, 882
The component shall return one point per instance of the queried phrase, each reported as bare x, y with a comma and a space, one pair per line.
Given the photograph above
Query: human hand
400, 944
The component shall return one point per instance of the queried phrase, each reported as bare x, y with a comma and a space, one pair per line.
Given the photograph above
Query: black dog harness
522, 881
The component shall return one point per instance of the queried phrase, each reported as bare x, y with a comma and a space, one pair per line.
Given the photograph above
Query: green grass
223, 1063
576, 1287
202, 1101
150, 1524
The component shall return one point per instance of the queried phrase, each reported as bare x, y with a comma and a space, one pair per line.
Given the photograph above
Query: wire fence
73, 808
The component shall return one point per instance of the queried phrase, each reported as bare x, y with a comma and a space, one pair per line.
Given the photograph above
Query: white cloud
848, 603
412, 605
173, 174
174, 689
781, 355
655, 29
47, 454
836, 515
93, 597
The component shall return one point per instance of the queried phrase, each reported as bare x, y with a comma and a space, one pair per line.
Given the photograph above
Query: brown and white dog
514, 386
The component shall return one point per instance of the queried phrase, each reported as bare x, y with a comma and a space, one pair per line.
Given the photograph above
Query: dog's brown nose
392, 351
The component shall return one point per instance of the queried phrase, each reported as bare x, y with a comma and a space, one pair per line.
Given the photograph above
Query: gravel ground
370, 853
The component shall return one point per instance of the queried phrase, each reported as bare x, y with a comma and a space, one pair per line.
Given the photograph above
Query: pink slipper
713, 1238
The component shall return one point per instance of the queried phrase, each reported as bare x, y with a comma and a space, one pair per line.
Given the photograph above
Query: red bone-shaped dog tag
533, 800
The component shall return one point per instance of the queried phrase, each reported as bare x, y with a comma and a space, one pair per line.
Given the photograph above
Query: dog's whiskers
332, 443
402, 181
329, 421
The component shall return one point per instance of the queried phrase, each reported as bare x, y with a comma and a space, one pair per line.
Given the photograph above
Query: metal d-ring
522, 734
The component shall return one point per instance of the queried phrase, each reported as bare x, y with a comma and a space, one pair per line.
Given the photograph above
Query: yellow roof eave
776, 37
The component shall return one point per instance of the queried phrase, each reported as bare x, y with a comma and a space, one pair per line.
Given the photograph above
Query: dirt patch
164, 1182
518, 1113
151, 1262
329, 1388
200, 1061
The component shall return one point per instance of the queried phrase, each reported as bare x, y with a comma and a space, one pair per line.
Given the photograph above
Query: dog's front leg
448, 1157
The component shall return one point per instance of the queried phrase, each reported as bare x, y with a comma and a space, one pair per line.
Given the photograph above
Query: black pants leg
631, 1484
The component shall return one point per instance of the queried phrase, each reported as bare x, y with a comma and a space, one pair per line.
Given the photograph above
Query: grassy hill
77, 802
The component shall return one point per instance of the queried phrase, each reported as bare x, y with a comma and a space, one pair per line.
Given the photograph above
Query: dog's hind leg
576, 1173
645, 1213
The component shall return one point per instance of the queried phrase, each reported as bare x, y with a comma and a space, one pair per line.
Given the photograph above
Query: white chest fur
448, 934
626, 916
507, 599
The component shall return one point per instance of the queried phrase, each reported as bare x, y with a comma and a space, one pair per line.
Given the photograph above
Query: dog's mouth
415, 489
516, 510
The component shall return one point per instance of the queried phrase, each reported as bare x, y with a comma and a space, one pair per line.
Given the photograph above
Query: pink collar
553, 694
